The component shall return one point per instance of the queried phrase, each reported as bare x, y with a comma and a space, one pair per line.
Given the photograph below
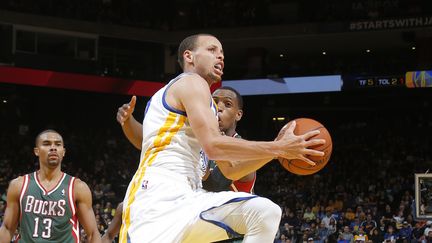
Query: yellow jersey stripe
167, 131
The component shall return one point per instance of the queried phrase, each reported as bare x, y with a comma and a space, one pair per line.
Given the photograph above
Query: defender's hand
125, 111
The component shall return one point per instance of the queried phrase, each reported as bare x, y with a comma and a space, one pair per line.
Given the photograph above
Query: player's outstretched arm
11, 216
114, 227
83, 201
130, 126
192, 94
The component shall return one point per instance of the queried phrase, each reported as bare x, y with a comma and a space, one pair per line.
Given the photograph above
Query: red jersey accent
247, 186
239, 186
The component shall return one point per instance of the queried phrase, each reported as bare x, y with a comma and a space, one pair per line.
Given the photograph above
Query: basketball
300, 167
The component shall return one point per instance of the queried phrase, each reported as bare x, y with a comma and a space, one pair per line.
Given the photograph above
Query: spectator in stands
428, 228
285, 229
369, 223
349, 214
355, 225
360, 238
391, 234
306, 225
333, 230
322, 212
98, 193
282, 239
376, 236
341, 223
341, 240
316, 208
323, 233
418, 231
387, 215
406, 231
362, 233
290, 235
109, 209
399, 218
327, 218
294, 221
429, 237
346, 234
308, 214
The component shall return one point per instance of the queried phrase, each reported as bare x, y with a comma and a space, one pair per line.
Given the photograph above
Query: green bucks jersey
48, 216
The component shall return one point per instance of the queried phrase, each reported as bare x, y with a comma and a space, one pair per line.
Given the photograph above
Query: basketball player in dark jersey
47, 204
230, 111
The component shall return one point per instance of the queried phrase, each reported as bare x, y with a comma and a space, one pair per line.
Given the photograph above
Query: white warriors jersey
168, 139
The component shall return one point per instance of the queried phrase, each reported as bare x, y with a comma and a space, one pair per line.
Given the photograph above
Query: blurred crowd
194, 14
364, 194
260, 62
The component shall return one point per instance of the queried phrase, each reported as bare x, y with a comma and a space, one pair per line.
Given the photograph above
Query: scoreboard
355, 82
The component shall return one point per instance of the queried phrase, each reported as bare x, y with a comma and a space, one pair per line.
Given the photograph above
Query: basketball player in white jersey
230, 111
164, 201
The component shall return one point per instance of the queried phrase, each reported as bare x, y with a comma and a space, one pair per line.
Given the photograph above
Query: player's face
208, 58
229, 112
50, 149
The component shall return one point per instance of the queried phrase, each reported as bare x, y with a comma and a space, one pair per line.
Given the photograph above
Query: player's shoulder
188, 78
16, 184
80, 189
17, 181
191, 86
191, 76
79, 184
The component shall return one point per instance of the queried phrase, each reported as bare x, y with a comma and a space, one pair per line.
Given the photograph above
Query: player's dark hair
46, 131
189, 43
238, 96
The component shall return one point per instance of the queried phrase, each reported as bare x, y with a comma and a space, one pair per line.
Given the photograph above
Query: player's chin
53, 162
216, 77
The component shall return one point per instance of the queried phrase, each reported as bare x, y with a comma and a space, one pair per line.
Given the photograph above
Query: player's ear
188, 56
64, 151
36, 151
239, 115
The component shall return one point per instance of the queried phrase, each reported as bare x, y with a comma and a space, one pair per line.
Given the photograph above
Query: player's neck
48, 174
231, 132
193, 70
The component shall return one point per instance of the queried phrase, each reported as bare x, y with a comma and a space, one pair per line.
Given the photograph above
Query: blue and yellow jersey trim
172, 125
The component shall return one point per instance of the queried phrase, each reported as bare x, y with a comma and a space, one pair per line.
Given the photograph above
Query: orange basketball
300, 167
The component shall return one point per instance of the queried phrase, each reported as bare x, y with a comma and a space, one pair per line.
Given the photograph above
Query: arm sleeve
217, 182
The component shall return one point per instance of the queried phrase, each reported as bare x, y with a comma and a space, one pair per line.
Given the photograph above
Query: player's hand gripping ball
300, 167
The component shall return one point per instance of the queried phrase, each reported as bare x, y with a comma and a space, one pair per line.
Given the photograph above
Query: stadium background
69, 65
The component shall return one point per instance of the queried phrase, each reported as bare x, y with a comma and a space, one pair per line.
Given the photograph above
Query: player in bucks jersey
230, 111
47, 204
